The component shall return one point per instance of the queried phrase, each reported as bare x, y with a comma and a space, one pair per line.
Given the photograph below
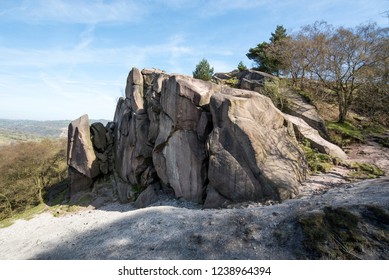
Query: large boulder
81, 158
252, 155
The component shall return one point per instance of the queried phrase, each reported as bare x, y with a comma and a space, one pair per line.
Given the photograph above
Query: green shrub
233, 82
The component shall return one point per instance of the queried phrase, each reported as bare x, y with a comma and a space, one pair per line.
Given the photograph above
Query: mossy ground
347, 133
364, 171
25, 215
344, 134
345, 233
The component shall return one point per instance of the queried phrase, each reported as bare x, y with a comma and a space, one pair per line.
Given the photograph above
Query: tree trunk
343, 108
302, 80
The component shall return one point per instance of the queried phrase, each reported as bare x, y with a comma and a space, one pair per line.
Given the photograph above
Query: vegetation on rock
241, 66
361, 170
316, 161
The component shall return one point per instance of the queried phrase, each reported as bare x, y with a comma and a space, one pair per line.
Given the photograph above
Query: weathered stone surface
78, 182
131, 149
215, 199
250, 78
98, 136
124, 191
182, 165
81, 158
204, 126
252, 156
304, 131
298, 107
134, 90
177, 104
148, 196
289, 101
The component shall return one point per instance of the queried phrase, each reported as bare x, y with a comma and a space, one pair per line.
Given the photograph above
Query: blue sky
60, 59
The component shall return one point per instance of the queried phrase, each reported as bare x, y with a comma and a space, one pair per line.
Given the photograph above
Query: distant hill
25, 130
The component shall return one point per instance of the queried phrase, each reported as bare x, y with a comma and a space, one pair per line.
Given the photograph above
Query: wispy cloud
80, 11
82, 79
218, 7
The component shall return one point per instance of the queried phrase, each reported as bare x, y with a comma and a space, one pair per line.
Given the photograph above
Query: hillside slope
26, 130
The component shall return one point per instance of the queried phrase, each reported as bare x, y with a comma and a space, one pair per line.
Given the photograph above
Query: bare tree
341, 59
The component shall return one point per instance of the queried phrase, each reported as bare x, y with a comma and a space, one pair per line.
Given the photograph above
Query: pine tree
203, 71
241, 66
266, 62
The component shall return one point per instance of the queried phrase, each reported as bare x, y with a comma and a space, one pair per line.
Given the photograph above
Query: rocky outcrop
89, 153
81, 158
208, 143
304, 131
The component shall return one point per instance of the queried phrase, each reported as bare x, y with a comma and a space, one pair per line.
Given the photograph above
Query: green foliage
241, 66
271, 89
265, 60
279, 34
350, 62
203, 71
27, 172
317, 162
233, 82
137, 189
